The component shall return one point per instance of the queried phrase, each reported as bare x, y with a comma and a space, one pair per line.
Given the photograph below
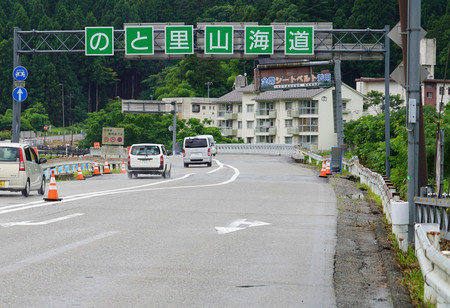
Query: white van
148, 158
197, 150
212, 143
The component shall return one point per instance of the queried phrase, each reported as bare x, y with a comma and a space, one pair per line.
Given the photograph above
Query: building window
441, 90
309, 107
249, 139
239, 124
429, 94
288, 140
288, 123
448, 90
309, 125
196, 108
288, 106
239, 108
306, 141
250, 124
250, 108
429, 86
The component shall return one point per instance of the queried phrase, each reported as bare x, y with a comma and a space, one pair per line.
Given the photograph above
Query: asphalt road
251, 231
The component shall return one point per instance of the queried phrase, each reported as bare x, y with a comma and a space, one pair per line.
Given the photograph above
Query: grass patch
412, 275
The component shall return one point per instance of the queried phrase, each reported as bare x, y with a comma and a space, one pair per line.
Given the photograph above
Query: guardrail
258, 148
435, 265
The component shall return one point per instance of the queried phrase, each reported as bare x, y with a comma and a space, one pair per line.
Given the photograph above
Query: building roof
235, 96
290, 94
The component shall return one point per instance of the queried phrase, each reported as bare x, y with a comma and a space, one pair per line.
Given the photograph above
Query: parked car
149, 158
20, 169
212, 143
197, 150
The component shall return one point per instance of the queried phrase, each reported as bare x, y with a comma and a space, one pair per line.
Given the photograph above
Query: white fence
435, 265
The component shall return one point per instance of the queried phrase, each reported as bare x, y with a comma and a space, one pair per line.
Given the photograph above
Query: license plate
2, 183
196, 154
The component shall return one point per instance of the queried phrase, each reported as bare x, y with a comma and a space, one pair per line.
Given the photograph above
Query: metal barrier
434, 210
434, 264
258, 148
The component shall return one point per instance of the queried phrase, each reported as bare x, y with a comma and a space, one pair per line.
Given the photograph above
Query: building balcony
293, 113
265, 131
266, 113
228, 131
293, 130
226, 115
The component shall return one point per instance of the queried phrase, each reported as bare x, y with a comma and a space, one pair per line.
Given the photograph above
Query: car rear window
145, 150
196, 143
9, 154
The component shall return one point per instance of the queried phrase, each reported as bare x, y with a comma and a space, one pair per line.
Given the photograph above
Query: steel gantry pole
387, 116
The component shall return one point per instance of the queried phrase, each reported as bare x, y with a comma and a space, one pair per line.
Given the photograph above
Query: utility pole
413, 102
208, 84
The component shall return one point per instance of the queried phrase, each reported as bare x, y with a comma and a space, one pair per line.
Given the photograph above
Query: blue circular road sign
20, 73
19, 94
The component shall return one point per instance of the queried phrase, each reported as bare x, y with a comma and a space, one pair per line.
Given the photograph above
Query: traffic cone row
323, 172
106, 168
96, 171
52, 191
80, 174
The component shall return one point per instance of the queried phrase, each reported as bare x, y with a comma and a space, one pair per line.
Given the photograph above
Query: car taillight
184, 153
209, 152
161, 160
128, 159
21, 161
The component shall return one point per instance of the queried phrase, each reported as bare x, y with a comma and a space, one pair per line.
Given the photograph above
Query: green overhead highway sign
299, 40
179, 39
139, 40
99, 41
259, 40
219, 39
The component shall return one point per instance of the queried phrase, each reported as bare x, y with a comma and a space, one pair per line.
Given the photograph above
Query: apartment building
304, 116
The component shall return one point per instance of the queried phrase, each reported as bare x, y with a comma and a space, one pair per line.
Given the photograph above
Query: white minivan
149, 158
20, 169
212, 143
197, 150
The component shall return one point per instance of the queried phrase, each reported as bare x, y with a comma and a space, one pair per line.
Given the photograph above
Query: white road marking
236, 226
218, 168
140, 188
46, 222
53, 252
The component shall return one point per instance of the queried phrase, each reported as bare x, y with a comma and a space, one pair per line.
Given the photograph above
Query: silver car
20, 169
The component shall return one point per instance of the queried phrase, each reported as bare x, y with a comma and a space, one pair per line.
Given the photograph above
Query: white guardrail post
435, 265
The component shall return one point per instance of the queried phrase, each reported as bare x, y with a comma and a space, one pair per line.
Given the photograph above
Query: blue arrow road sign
19, 94
20, 73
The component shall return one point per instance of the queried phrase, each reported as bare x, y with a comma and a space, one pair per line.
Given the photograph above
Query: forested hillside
91, 81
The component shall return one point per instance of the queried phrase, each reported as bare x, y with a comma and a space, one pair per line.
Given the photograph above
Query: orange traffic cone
323, 172
52, 191
106, 168
328, 167
124, 170
80, 174
96, 171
